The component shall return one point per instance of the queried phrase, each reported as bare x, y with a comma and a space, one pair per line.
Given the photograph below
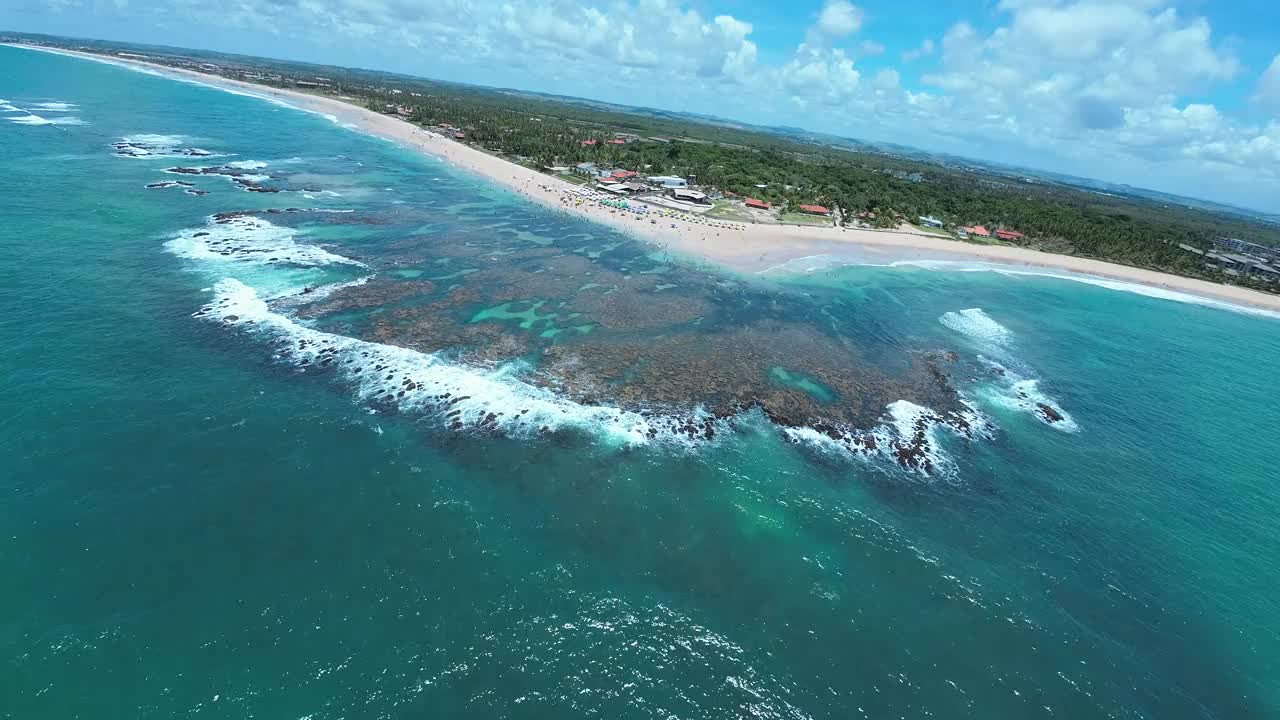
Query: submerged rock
1048, 414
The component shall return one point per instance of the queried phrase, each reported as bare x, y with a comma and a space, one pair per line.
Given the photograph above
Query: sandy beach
750, 248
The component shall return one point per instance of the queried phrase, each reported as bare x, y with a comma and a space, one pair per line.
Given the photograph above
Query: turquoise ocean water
201, 519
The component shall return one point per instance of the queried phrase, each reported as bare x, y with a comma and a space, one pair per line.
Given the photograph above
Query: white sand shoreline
746, 247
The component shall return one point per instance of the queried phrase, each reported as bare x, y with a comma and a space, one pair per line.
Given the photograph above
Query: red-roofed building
757, 204
977, 230
814, 210
1009, 235
587, 143
616, 141
623, 174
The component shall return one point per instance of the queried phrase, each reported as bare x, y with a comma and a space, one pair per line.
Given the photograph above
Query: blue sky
1177, 96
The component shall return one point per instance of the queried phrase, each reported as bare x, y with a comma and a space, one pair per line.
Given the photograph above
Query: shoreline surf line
750, 247
819, 263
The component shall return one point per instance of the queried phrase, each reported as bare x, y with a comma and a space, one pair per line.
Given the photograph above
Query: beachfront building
975, 231
1009, 235
1237, 245
814, 210
668, 181
689, 196
755, 204
1235, 264
1242, 264
930, 221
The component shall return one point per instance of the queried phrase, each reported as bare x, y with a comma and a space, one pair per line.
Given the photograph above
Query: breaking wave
154, 146
1026, 396
816, 263
154, 139
247, 164
249, 239
978, 326
409, 381
909, 436
33, 119
1015, 386
395, 379
459, 397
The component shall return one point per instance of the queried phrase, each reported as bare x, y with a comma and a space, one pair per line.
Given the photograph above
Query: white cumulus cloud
839, 18
1119, 84
1268, 92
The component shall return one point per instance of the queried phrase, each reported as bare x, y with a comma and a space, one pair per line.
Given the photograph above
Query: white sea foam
167, 74
56, 106
906, 428
1149, 291
150, 146
1026, 396
823, 262
156, 140
319, 293
247, 164
410, 381
7, 107
979, 326
29, 119
393, 378
33, 119
1017, 388
249, 239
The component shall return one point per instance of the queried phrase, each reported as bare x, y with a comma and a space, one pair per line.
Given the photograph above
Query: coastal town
714, 176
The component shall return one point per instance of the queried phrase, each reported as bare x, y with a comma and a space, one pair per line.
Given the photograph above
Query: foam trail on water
977, 325
33, 119
56, 106
247, 164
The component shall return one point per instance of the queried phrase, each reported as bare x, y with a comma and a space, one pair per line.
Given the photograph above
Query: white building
691, 196
930, 221
668, 181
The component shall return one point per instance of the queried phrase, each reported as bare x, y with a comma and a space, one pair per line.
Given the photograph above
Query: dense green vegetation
881, 188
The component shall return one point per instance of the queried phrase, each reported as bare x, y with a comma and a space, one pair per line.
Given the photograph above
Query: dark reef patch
596, 331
